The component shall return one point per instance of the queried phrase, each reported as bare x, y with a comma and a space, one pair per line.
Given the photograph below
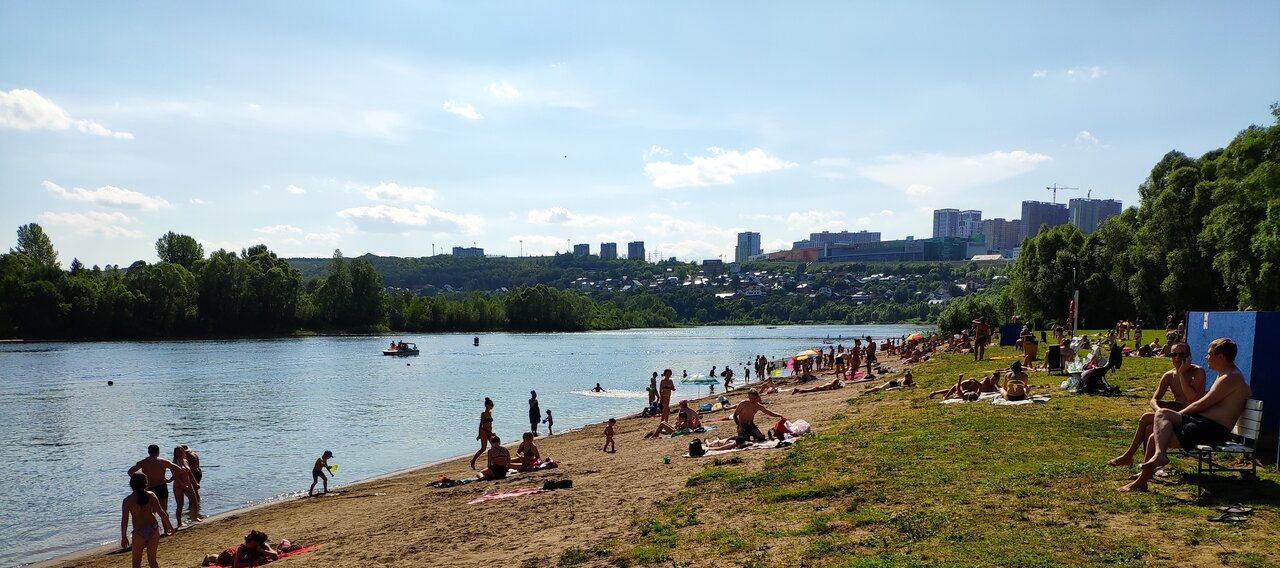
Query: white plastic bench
1243, 439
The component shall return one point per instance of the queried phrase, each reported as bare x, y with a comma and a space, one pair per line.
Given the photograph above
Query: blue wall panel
1258, 336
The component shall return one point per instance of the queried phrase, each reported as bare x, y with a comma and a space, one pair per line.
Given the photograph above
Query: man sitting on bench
1207, 421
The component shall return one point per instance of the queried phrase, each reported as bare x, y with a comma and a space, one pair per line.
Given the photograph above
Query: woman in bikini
142, 506
193, 460
486, 430
527, 455
184, 485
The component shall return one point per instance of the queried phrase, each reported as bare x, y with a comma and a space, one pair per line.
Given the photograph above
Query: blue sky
390, 127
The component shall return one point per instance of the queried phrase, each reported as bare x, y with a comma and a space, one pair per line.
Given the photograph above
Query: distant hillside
491, 273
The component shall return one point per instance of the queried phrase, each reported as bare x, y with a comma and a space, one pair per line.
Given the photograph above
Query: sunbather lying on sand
254, 552
725, 444
907, 381
833, 385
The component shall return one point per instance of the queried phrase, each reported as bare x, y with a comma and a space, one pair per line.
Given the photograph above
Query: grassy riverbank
897, 479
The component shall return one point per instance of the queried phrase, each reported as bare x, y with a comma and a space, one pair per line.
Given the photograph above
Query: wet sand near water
400, 520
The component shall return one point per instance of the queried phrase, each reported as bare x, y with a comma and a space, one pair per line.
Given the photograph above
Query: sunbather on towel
964, 389
1015, 384
725, 444
833, 385
744, 415
499, 460
255, 551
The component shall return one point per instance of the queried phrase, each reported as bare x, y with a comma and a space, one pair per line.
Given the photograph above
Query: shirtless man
653, 389
664, 393
981, 338
871, 356
499, 460
907, 381
744, 415
156, 468
1207, 421
1186, 381
966, 389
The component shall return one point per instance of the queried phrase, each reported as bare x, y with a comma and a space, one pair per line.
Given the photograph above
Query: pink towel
505, 494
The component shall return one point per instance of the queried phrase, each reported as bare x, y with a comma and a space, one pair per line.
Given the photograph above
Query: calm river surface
259, 412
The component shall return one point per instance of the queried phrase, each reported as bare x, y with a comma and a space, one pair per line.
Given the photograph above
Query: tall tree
33, 242
179, 249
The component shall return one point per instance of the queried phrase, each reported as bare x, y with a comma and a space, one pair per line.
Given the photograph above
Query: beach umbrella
806, 354
699, 380
917, 336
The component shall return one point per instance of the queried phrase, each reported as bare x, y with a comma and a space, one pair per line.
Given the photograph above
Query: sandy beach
401, 520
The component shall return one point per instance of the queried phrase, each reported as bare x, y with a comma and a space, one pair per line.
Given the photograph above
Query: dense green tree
33, 242
179, 249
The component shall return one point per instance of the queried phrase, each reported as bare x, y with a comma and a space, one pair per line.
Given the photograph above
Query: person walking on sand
486, 430
664, 393
318, 472
549, 422
142, 506
156, 469
184, 485
535, 412
608, 437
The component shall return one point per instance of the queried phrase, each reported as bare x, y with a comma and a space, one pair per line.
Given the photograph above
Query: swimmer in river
598, 388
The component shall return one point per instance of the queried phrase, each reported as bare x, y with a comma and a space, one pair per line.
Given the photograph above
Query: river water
259, 412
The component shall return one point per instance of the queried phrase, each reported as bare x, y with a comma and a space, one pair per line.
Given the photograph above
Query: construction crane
1055, 187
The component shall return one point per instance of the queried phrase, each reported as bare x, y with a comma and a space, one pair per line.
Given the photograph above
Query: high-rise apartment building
583, 249
1088, 214
1001, 234
635, 250
609, 251
945, 222
1038, 213
748, 246
969, 223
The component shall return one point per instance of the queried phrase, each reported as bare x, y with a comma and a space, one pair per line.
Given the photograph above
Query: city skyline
397, 129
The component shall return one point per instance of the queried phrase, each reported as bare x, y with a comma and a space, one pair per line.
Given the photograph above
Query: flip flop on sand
1228, 518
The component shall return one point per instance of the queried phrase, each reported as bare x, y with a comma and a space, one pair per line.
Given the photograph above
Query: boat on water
402, 349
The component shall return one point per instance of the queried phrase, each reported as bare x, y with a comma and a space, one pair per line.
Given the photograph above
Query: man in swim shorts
744, 415
1207, 421
318, 472
981, 338
156, 468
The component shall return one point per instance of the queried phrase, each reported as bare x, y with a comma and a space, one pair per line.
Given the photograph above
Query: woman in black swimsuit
486, 430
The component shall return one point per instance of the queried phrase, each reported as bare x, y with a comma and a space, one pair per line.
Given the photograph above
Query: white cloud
1039, 73
832, 168
503, 90
24, 109
885, 213
388, 218
862, 222
254, 106
392, 191
295, 190
1082, 72
1086, 141
276, 230
621, 237
662, 224
110, 196
326, 238
464, 110
94, 223
197, 201
562, 216
717, 169
539, 245
921, 174
689, 250
831, 162
655, 151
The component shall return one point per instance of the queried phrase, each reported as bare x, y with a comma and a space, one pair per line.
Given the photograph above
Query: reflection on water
260, 411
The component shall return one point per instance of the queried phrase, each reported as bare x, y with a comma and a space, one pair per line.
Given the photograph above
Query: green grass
898, 480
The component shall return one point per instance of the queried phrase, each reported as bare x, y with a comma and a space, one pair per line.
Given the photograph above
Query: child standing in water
608, 437
142, 506
318, 472
548, 421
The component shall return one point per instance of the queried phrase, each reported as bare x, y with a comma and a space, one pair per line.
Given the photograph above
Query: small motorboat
402, 349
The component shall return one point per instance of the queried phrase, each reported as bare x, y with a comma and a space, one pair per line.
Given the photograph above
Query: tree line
1205, 236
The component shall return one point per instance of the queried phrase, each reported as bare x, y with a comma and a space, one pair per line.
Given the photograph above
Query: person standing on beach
535, 412
184, 485
318, 472
193, 461
549, 422
982, 337
142, 506
486, 430
664, 393
653, 390
156, 468
609, 446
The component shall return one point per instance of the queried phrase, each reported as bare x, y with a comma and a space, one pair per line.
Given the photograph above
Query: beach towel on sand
506, 494
766, 445
282, 556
